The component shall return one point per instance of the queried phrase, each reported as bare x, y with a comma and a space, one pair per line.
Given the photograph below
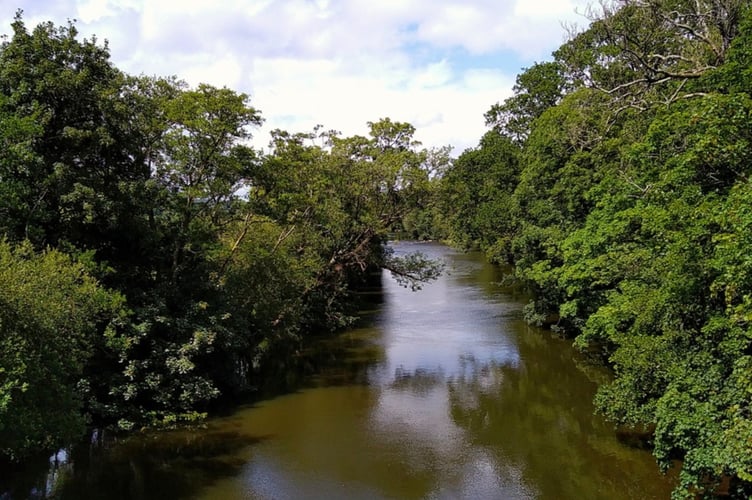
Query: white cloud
340, 63
545, 8
433, 75
226, 71
92, 10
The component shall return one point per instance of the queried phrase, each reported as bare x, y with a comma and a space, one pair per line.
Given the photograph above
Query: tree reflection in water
531, 416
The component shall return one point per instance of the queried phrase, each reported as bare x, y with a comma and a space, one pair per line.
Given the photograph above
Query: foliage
50, 313
537, 88
628, 218
641, 52
222, 258
476, 195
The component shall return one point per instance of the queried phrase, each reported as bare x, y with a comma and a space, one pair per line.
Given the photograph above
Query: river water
443, 393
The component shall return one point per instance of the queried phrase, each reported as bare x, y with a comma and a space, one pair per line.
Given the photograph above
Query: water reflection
523, 417
143, 467
447, 320
26, 483
443, 393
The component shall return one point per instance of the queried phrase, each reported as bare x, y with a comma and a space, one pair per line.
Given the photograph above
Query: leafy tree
427, 220
477, 195
537, 88
204, 162
627, 221
569, 149
647, 52
351, 191
51, 313
69, 170
166, 361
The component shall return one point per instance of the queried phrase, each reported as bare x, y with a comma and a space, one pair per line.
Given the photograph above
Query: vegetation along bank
152, 261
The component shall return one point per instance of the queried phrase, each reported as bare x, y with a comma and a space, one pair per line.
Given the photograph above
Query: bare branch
657, 43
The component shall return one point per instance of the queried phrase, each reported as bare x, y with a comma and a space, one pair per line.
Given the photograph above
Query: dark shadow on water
320, 359
324, 361
23, 480
330, 359
172, 464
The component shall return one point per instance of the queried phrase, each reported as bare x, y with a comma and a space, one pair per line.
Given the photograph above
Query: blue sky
437, 64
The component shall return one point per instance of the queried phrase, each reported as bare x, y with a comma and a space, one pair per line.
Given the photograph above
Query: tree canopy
151, 260
621, 198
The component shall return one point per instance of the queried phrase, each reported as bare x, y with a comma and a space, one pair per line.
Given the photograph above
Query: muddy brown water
443, 393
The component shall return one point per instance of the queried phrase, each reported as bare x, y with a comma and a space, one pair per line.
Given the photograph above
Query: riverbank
442, 393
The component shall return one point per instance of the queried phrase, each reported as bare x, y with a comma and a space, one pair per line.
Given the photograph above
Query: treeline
151, 261
617, 180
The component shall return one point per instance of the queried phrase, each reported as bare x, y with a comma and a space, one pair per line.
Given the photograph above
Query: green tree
648, 52
51, 313
204, 163
68, 169
537, 88
166, 365
477, 196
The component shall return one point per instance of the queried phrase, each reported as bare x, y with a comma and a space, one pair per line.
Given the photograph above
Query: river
443, 393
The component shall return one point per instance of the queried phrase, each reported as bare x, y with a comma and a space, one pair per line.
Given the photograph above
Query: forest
616, 180
152, 263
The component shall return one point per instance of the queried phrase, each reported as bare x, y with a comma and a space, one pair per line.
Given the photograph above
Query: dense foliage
617, 180
51, 313
151, 261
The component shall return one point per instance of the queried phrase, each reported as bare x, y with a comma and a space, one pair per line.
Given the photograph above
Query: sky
437, 64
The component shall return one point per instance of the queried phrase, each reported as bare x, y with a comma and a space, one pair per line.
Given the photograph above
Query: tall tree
536, 89
70, 169
647, 52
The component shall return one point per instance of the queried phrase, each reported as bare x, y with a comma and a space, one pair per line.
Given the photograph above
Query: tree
477, 195
51, 313
167, 365
647, 52
70, 170
536, 89
204, 162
